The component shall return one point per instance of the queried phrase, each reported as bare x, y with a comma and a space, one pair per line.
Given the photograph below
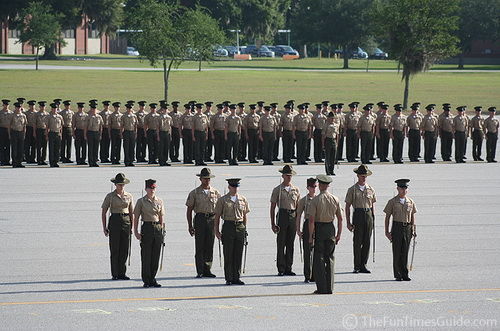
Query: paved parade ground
55, 259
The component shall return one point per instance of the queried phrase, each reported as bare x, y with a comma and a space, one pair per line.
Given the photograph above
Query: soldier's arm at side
386, 225
300, 209
189, 217
216, 225
414, 226
272, 215
131, 213
350, 227
339, 225
137, 214
104, 211
245, 219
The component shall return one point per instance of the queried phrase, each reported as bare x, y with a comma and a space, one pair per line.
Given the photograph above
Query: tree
479, 20
346, 24
338, 22
303, 19
106, 15
158, 36
203, 33
260, 19
419, 33
39, 26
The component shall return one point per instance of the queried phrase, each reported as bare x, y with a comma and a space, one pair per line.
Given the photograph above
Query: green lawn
113, 60
250, 86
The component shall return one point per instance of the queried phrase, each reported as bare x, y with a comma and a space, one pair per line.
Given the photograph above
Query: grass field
250, 86
112, 60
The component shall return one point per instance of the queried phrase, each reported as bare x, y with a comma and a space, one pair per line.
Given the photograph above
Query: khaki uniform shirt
267, 123
460, 123
140, 119
233, 123
287, 199
18, 122
351, 120
301, 122
400, 212
165, 122
5, 118
340, 118
152, 121
286, 121
383, 121
41, 120
218, 121
202, 202
209, 115
366, 123
149, 210
67, 115
54, 122
105, 117
252, 121
128, 122
117, 204
303, 206
277, 117
176, 119
94, 122
324, 207
200, 122
115, 120
79, 120
360, 199
445, 123
331, 130
398, 123
319, 121
477, 123
31, 117
413, 122
491, 125
242, 116
187, 121
429, 123
232, 211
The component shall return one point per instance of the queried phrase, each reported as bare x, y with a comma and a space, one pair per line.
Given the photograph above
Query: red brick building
82, 40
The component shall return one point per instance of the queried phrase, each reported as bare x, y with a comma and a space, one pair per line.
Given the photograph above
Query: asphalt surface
7, 66
55, 259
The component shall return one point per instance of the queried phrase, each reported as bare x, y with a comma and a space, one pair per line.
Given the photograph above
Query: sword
162, 246
129, 245
373, 215
413, 253
246, 247
300, 246
220, 259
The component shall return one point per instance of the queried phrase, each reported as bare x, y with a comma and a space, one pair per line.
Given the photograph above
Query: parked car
231, 50
219, 51
359, 53
281, 50
379, 54
263, 51
132, 51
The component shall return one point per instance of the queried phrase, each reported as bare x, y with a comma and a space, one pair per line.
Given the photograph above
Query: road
55, 259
